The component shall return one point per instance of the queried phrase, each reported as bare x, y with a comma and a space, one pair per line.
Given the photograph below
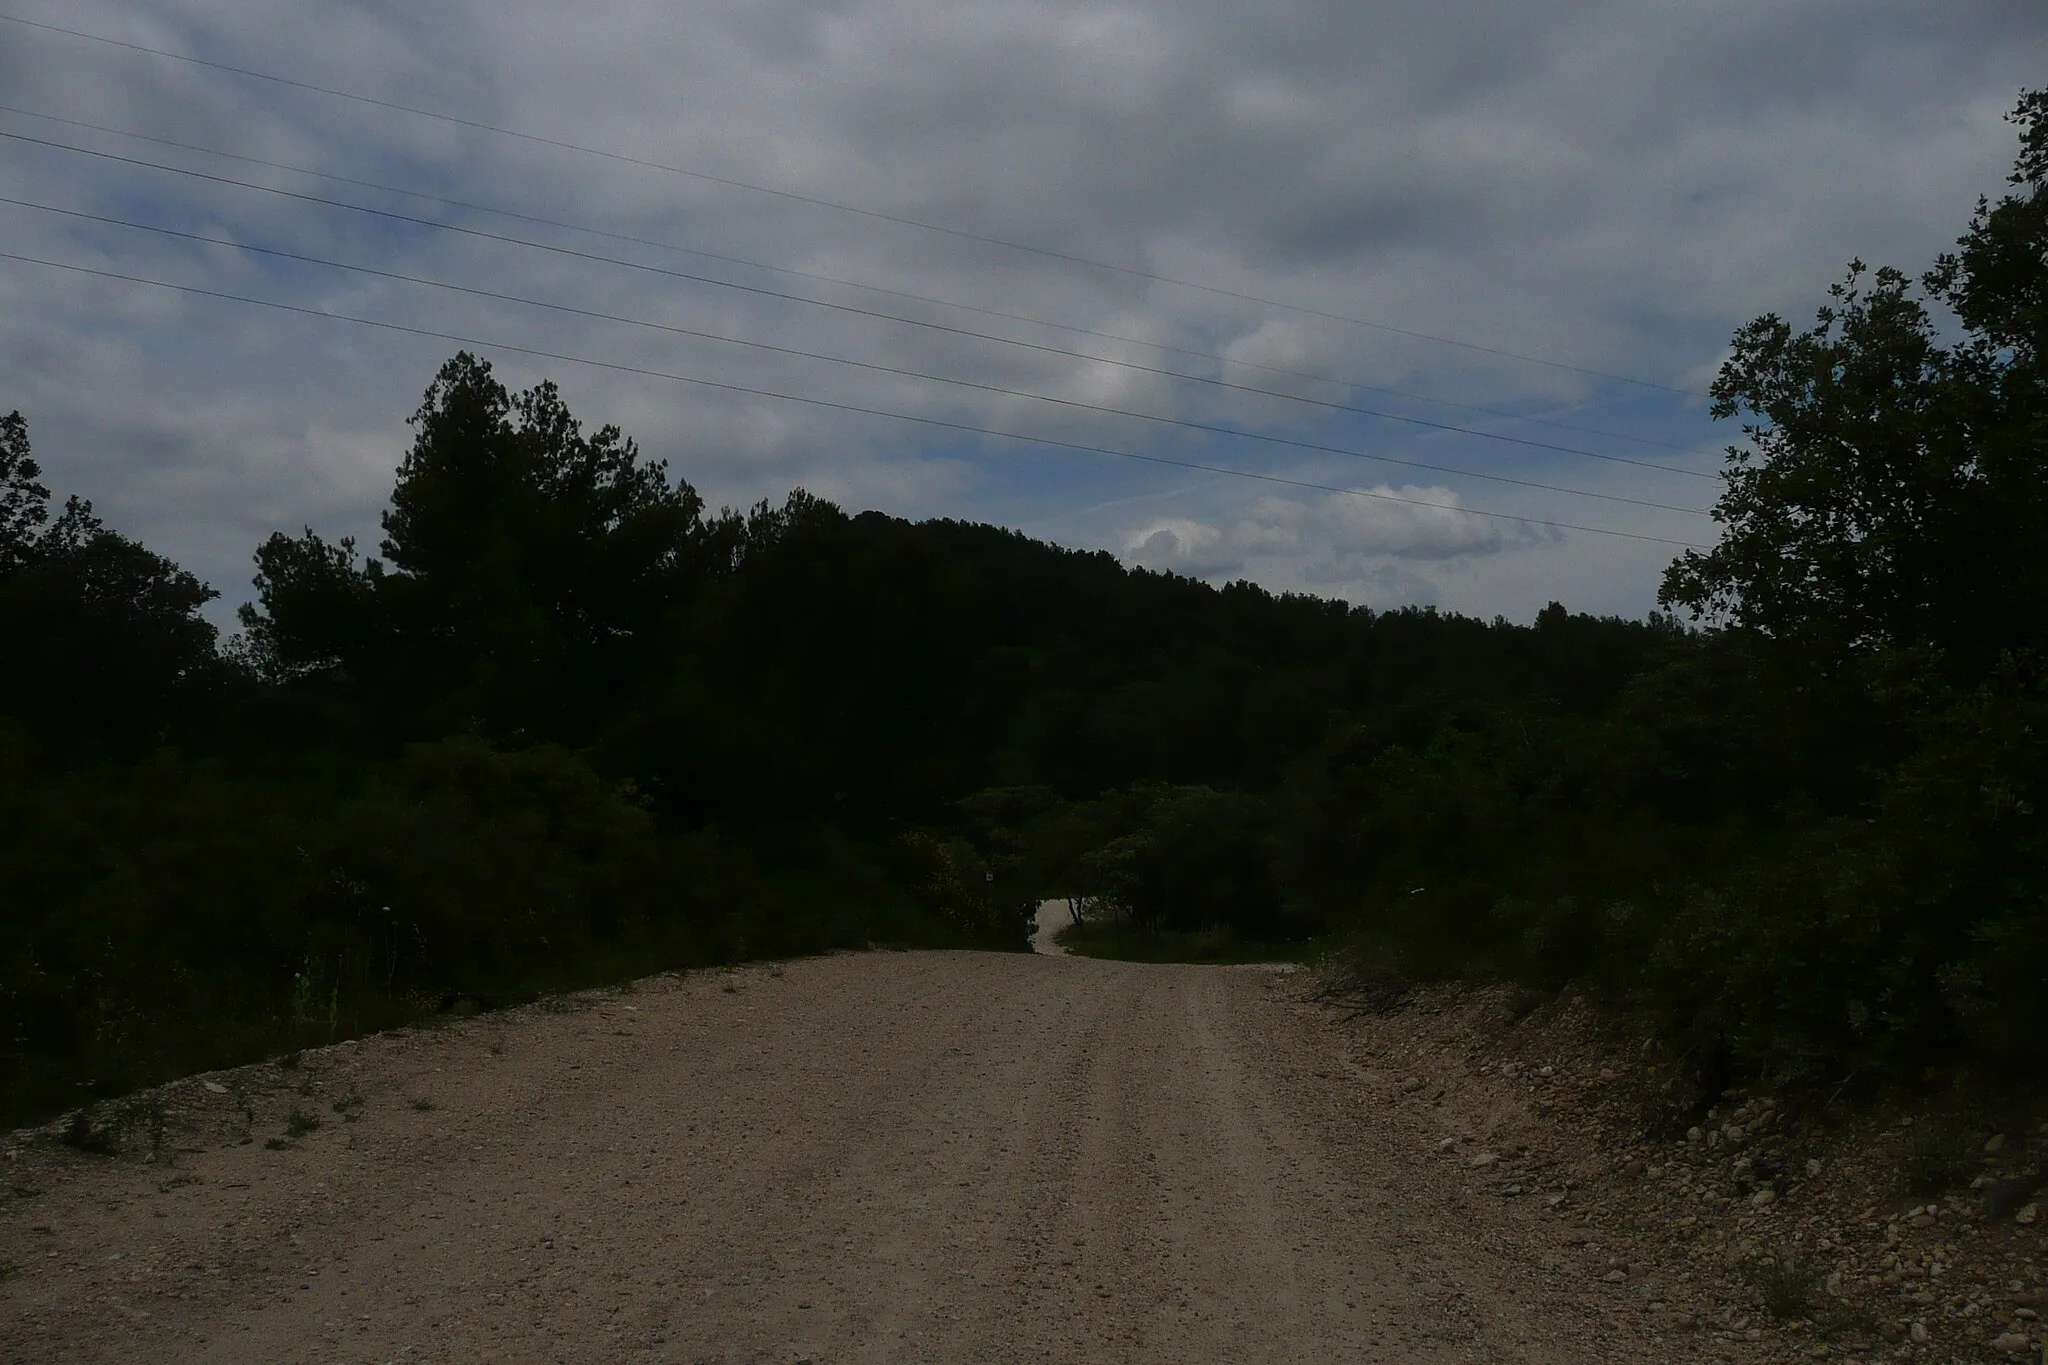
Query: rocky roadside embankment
1771, 1230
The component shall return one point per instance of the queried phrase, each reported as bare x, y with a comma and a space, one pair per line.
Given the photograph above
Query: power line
765, 292
819, 202
1071, 403
516, 215
837, 406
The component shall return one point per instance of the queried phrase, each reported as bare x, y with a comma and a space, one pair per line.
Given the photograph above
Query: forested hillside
566, 724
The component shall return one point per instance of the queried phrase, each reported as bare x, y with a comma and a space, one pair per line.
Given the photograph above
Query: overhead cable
762, 291
837, 406
1212, 428
821, 278
839, 206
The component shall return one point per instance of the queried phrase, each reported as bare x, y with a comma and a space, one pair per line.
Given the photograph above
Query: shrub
1783, 1286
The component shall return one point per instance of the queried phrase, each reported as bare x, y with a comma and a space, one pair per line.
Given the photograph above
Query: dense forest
568, 725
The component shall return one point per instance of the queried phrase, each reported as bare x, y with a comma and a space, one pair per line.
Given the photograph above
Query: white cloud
1186, 547
1336, 542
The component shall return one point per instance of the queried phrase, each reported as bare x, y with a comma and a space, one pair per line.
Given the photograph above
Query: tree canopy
1891, 497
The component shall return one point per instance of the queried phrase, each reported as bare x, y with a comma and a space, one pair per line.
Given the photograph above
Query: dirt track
949, 1157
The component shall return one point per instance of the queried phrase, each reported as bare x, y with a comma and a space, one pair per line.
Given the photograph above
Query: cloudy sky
1450, 278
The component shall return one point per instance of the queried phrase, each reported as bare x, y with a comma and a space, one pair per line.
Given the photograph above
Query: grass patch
84, 1135
1219, 946
299, 1122
1784, 1288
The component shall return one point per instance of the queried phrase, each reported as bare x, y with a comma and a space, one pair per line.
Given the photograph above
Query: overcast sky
1610, 188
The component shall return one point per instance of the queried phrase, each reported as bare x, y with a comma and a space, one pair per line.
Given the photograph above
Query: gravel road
1052, 917
947, 1157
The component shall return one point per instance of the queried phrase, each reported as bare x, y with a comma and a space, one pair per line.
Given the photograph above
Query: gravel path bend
945, 1157
1052, 917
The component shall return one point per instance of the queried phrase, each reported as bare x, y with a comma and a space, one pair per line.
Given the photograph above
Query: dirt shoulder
1758, 1228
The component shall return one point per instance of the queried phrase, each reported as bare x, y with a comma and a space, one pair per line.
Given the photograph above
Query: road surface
880, 1157
1052, 917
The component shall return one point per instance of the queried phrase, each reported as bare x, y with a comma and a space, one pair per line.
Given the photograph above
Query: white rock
1812, 1166
2027, 1214
1764, 1196
214, 1087
1918, 1331
1483, 1159
2012, 1343
1694, 1134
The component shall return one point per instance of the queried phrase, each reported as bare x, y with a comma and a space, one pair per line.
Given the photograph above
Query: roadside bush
167, 916
956, 888
1784, 1287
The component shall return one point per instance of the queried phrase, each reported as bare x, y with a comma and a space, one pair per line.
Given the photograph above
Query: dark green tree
1893, 495
526, 568
1883, 548
319, 607
1830, 516
24, 503
107, 644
